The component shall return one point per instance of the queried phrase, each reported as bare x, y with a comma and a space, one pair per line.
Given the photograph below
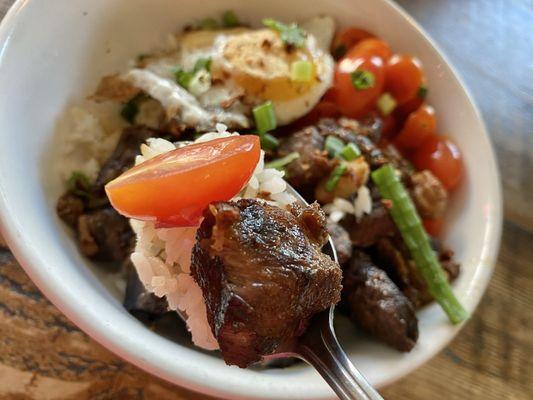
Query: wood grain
44, 356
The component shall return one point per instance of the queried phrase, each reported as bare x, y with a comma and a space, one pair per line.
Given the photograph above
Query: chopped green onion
335, 177
200, 83
350, 152
280, 163
422, 92
79, 184
333, 145
230, 20
407, 220
265, 118
183, 78
291, 34
362, 79
202, 63
209, 23
339, 51
301, 71
131, 108
269, 142
386, 104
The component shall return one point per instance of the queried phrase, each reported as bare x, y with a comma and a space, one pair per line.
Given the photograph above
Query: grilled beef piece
393, 256
313, 163
123, 157
376, 304
69, 208
105, 235
263, 275
341, 241
371, 227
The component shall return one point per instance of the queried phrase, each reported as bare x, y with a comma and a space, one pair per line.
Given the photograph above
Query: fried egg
247, 68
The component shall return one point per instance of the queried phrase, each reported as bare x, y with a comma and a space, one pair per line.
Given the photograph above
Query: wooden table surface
43, 356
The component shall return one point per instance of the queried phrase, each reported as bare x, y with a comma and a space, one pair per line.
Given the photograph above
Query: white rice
162, 256
339, 208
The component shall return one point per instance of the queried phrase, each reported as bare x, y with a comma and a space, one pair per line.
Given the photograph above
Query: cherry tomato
324, 109
433, 226
175, 187
404, 77
372, 47
359, 81
442, 157
419, 125
345, 39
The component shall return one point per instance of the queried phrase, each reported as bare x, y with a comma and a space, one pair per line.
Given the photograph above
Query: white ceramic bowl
54, 52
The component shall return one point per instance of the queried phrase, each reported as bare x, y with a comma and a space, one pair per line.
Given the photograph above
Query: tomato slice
174, 188
433, 226
324, 109
372, 47
353, 101
405, 77
419, 126
346, 38
442, 157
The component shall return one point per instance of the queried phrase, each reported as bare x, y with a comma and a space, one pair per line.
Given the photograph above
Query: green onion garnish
230, 20
280, 163
301, 71
208, 23
291, 34
335, 177
350, 152
79, 184
362, 79
183, 78
265, 118
268, 141
386, 104
422, 92
333, 145
407, 220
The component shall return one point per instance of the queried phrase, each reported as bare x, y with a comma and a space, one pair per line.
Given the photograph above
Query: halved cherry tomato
354, 101
419, 125
442, 157
404, 77
433, 226
345, 39
324, 109
372, 47
174, 188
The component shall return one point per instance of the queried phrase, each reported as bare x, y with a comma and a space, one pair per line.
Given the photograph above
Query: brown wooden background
43, 356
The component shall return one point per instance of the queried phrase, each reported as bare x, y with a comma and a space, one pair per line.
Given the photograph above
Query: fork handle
320, 348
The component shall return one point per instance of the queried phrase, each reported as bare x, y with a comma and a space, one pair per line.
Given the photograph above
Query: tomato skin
404, 77
419, 125
174, 188
353, 102
346, 39
371, 47
433, 226
442, 157
389, 127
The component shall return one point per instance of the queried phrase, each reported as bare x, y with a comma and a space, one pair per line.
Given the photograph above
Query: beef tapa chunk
313, 163
105, 235
341, 241
263, 275
376, 304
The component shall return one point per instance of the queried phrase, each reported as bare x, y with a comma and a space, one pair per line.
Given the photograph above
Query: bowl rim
29, 260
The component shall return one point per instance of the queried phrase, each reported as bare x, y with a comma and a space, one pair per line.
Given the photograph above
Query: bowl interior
54, 53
